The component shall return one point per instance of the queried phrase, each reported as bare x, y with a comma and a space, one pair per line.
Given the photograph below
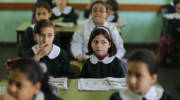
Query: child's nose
12, 89
132, 80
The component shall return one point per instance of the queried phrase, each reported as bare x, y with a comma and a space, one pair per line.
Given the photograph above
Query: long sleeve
77, 42
118, 42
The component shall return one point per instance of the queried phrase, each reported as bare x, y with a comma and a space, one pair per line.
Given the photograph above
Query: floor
167, 75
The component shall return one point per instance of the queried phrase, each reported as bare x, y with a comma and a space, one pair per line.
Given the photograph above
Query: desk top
74, 94
25, 25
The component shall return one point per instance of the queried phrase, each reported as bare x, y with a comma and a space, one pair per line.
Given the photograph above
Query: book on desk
105, 84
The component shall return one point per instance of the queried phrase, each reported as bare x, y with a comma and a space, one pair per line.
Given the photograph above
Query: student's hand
44, 50
81, 57
7, 97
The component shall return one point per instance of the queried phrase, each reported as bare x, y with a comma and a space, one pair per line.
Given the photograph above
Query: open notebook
59, 83
105, 84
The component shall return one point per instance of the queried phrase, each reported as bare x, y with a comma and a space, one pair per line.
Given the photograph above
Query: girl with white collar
45, 51
42, 10
80, 38
27, 81
141, 75
63, 12
102, 62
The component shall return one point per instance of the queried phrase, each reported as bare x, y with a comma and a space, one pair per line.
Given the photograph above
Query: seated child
80, 38
112, 11
141, 76
45, 51
63, 12
42, 10
27, 81
102, 62
170, 43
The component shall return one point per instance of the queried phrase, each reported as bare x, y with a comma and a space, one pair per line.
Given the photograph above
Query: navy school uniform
108, 67
46, 96
28, 40
68, 15
155, 93
57, 62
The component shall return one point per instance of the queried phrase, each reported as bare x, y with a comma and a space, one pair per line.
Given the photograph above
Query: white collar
66, 11
53, 53
93, 24
39, 96
106, 60
172, 16
32, 26
155, 93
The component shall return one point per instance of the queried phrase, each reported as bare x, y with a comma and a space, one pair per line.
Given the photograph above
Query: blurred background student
63, 12
79, 43
42, 10
27, 81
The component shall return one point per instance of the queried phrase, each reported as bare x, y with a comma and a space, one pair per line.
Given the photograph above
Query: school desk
65, 35
73, 93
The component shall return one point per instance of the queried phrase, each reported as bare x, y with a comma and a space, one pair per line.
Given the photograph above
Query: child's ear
50, 14
37, 87
34, 36
154, 78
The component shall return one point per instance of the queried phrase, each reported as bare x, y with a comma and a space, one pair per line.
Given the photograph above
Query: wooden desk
65, 35
74, 94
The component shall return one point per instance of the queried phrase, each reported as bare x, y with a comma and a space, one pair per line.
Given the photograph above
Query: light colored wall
141, 27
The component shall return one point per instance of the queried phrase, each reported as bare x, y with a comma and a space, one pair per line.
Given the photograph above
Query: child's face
99, 14
42, 13
138, 77
20, 87
110, 11
100, 45
177, 7
46, 36
61, 4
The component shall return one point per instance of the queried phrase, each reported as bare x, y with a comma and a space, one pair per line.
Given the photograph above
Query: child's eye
10, 82
103, 42
95, 42
138, 75
18, 85
39, 14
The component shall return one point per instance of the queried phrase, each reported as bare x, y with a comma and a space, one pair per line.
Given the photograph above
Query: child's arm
77, 42
118, 42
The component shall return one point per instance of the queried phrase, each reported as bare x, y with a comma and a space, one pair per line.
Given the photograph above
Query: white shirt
79, 43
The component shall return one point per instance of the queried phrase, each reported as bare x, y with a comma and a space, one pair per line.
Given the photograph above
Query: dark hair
43, 4
146, 56
98, 1
101, 30
113, 4
33, 72
41, 24
176, 2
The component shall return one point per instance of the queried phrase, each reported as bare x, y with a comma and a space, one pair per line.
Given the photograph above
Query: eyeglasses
100, 10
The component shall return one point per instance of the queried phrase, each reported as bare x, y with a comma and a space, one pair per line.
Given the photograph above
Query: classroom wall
141, 27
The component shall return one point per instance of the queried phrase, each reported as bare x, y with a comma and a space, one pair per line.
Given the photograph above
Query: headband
101, 27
